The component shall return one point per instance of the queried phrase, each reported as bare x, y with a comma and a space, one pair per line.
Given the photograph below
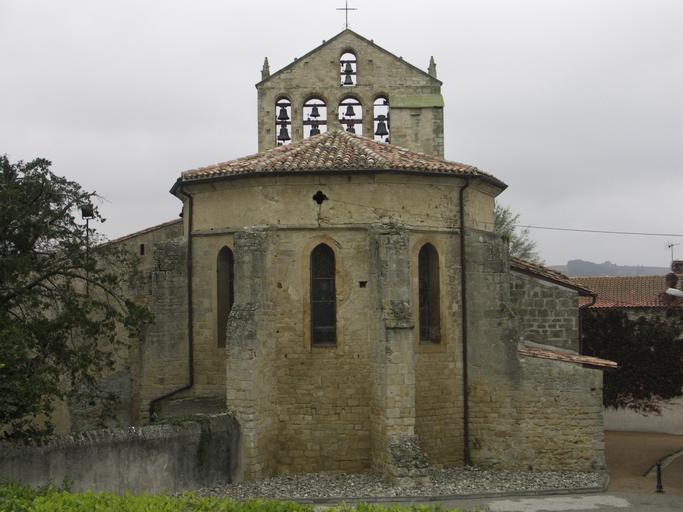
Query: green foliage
521, 246
17, 498
62, 297
649, 356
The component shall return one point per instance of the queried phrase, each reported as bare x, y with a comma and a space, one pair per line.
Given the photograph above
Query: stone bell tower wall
416, 104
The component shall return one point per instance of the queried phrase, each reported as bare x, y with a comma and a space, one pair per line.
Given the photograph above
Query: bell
349, 111
314, 112
348, 69
348, 80
314, 129
283, 116
284, 134
350, 128
381, 126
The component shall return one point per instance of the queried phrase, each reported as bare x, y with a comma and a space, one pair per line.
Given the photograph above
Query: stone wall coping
119, 435
566, 356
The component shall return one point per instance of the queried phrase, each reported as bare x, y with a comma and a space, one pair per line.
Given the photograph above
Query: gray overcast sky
576, 104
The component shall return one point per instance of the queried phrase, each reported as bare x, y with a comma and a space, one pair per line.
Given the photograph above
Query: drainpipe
463, 301
190, 334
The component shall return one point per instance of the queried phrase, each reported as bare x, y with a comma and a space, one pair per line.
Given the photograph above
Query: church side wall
158, 360
155, 363
524, 413
548, 313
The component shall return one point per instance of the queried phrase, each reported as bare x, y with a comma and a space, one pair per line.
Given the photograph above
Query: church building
343, 293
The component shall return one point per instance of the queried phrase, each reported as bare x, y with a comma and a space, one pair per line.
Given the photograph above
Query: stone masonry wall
152, 459
549, 419
159, 360
524, 413
548, 313
156, 363
304, 408
323, 391
318, 75
438, 373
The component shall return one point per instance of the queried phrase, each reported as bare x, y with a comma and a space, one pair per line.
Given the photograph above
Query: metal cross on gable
347, 9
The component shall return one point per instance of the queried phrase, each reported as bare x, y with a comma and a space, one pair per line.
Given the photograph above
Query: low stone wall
162, 458
668, 421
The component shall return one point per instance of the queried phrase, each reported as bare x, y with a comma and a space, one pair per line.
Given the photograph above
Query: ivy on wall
648, 351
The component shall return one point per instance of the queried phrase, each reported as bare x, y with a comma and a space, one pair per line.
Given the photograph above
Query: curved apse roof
335, 151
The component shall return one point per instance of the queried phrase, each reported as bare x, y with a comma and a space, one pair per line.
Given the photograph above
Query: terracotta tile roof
567, 357
336, 151
548, 274
625, 292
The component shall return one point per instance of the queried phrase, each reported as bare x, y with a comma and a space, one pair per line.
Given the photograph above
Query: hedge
19, 498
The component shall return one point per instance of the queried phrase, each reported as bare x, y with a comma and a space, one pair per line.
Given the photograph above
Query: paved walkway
631, 454
610, 502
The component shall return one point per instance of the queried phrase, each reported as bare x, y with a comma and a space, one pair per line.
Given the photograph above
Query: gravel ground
447, 482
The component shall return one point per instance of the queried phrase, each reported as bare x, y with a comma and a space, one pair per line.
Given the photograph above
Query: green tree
521, 245
62, 297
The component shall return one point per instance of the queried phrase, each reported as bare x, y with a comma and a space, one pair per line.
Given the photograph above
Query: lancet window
283, 121
351, 115
349, 67
323, 296
315, 117
380, 127
430, 308
225, 284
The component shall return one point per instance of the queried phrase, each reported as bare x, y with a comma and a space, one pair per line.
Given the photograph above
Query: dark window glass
226, 291
323, 298
430, 310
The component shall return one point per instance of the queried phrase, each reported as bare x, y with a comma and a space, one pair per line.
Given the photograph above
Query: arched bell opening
283, 121
315, 117
351, 115
349, 69
381, 125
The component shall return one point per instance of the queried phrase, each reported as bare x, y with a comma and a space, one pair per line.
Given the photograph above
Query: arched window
349, 67
430, 309
380, 126
225, 281
351, 115
283, 121
323, 296
315, 117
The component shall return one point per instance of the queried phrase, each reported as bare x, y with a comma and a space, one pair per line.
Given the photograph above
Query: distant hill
581, 268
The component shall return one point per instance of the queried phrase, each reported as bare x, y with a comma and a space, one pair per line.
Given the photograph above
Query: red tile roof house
641, 296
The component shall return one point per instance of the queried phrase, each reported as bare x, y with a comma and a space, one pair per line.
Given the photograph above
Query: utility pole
87, 213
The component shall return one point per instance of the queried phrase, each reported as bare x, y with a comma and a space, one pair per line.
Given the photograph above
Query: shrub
19, 498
